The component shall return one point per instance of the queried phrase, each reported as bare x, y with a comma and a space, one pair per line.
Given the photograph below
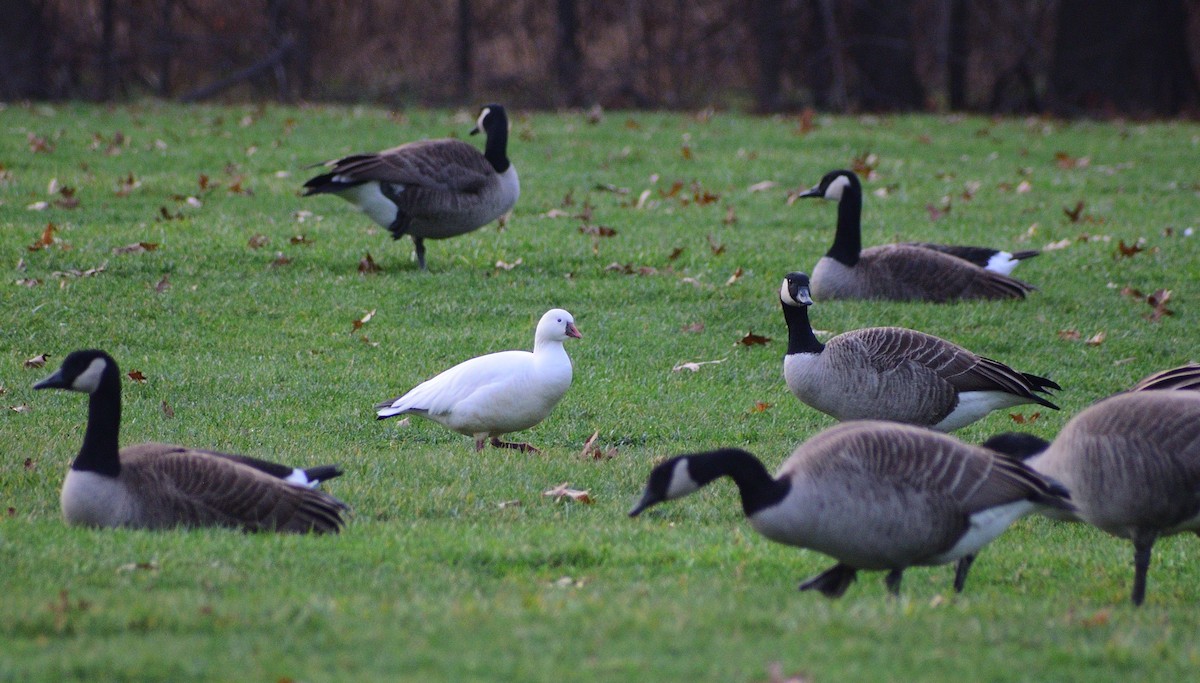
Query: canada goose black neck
847, 241
795, 298
495, 150
758, 489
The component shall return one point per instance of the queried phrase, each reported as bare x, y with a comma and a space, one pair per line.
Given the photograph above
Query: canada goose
897, 374
1132, 465
492, 395
432, 189
1182, 377
155, 486
897, 272
873, 495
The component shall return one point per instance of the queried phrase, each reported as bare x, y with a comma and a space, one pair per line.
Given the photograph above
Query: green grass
433, 579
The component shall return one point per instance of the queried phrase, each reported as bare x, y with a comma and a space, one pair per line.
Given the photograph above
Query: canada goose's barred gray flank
492, 395
872, 495
901, 272
431, 189
897, 374
156, 486
1132, 465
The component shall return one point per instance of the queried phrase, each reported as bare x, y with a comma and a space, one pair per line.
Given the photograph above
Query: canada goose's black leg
1143, 543
892, 581
832, 582
419, 243
960, 572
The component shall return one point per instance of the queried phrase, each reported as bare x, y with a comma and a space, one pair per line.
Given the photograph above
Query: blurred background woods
1066, 57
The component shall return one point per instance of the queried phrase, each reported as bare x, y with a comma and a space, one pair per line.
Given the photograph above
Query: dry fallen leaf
162, 285
593, 452
763, 186
760, 407
37, 361
1074, 214
21, 408
1069, 335
597, 230
303, 240
717, 249
564, 492
502, 265
137, 376
693, 328
364, 320
675, 253
1097, 339
127, 185
694, 366
136, 248
737, 275
938, 213
775, 671
257, 241
1020, 419
1127, 251
367, 265
167, 410
864, 165
752, 339
280, 260
47, 238
29, 282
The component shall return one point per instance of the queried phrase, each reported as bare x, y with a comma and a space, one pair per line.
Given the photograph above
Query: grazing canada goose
155, 486
873, 495
1132, 465
503, 392
432, 189
897, 374
1182, 377
897, 272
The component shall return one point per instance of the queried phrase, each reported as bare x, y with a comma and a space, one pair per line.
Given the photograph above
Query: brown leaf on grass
864, 165
630, 269
204, 183
1097, 339
68, 199
597, 230
937, 213
302, 240
136, 248
593, 452
730, 215
162, 285
775, 672
564, 492
165, 214
280, 260
804, 122
609, 187
504, 265
29, 465
675, 253
631, 124
367, 265
737, 275
258, 241
1024, 187
760, 407
693, 328
675, 188
762, 186
694, 366
137, 376
556, 213
39, 144
126, 185
1069, 335
752, 339
717, 249
1073, 215
20, 408
686, 152
1066, 161
1127, 250
363, 320
37, 361
47, 238
167, 409
1020, 418
703, 197
29, 282
1158, 301
236, 187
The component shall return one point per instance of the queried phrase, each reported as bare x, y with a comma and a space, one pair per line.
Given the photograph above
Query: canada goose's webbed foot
960, 572
523, 447
833, 582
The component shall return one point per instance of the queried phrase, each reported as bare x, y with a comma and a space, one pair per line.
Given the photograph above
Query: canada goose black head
493, 121
1017, 445
668, 480
795, 290
834, 186
83, 371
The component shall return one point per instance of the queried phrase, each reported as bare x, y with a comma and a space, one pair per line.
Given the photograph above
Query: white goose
498, 393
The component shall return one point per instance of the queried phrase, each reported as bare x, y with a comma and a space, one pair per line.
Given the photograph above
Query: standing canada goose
1132, 465
432, 189
155, 486
899, 272
492, 395
872, 495
897, 374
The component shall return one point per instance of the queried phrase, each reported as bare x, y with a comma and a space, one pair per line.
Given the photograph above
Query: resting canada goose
432, 189
897, 374
872, 495
897, 272
155, 486
503, 392
1182, 377
995, 260
1132, 465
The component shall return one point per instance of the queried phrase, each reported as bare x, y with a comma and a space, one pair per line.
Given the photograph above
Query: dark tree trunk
827, 67
166, 46
882, 50
464, 49
958, 51
1113, 56
768, 29
23, 41
108, 50
567, 54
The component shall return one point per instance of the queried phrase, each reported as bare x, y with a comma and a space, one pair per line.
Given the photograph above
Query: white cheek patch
785, 295
835, 189
482, 115
681, 482
88, 381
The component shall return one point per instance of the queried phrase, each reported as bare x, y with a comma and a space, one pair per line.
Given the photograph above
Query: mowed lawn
240, 311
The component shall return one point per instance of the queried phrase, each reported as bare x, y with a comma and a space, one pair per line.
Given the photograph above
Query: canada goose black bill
893, 373
873, 495
431, 189
897, 272
155, 486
